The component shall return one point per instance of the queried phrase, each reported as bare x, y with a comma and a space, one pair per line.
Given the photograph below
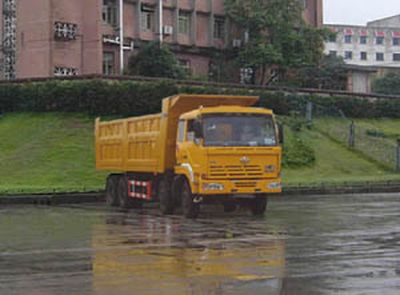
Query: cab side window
181, 131
190, 131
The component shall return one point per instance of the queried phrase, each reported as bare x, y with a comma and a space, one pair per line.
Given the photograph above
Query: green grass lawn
55, 152
47, 152
335, 164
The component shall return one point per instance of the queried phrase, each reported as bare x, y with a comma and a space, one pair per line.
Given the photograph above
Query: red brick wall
33, 35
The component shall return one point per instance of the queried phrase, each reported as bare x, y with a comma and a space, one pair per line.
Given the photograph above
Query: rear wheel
125, 201
189, 207
167, 204
258, 206
111, 191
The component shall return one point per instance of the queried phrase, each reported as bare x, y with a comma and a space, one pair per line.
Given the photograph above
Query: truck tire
126, 202
111, 191
258, 206
189, 207
167, 204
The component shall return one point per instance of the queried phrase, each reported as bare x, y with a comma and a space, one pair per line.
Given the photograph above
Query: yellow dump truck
201, 149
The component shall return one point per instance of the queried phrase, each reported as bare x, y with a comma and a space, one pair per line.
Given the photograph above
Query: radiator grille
236, 171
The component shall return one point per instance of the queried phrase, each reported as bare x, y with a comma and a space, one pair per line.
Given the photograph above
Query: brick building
43, 38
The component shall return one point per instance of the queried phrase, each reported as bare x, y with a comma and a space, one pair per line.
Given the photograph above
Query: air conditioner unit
168, 30
237, 43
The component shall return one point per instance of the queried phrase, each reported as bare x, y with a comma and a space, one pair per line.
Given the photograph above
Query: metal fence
366, 139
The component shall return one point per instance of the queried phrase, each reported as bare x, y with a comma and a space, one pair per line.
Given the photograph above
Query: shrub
124, 98
155, 60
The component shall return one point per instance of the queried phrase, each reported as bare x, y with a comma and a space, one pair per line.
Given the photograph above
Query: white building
370, 51
376, 44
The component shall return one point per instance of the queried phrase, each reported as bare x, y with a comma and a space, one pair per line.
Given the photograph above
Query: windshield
239, 130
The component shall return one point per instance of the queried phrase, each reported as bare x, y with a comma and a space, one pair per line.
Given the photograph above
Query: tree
389, 84
277, 36
329, 74
155, 60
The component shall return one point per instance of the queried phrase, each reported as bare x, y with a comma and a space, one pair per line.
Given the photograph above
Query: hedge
129, 98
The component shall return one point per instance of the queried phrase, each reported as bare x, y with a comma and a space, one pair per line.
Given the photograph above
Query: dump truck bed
147, 144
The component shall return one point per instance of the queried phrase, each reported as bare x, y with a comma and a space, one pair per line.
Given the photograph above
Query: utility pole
398, 156
121, 36
160, 20
352, 135
309, 111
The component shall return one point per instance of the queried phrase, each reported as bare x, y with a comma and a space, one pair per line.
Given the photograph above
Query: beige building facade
46, 38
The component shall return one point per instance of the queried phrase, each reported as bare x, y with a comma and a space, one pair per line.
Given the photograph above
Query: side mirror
281, 134
198, 129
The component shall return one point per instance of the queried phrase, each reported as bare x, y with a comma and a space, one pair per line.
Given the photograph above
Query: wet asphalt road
305, 245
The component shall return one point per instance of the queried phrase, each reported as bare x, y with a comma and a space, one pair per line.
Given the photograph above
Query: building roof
387, 22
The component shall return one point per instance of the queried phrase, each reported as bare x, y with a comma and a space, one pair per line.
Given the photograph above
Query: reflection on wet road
305, 245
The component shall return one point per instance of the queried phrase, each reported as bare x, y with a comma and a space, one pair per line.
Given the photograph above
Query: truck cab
229, 154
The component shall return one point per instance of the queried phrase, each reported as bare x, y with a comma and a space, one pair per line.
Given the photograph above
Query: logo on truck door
245, 160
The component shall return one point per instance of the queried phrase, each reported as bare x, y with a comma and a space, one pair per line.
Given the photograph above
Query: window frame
181, 134
380, 54
363, 40
184, 20
348, 55
348, 39
109, 13
147, 19
379, 40
219, 27
363, 55
109, 64
396, 56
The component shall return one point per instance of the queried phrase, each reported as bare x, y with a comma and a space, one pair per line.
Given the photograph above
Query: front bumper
237, 187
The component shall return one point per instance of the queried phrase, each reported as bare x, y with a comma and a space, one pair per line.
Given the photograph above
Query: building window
348, 39
348, 55
185, 65
184, 22
363, 55
380, 40
147, 18
247, 76
396, 56
181, 131
333, 53
108, 63
363, 39
65, 31
396, 41
110, 12
65, 71
380, 56
219, 28
332, 38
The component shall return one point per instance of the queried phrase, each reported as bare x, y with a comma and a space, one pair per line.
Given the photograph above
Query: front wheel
167, 204
258, 206
111, 191
189, 207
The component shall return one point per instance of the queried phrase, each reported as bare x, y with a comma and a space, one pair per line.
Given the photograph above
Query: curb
98, 197
53, 199
330, 190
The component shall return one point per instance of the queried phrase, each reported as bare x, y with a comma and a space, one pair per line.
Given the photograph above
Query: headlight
269, 168
213, 187
274, 185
